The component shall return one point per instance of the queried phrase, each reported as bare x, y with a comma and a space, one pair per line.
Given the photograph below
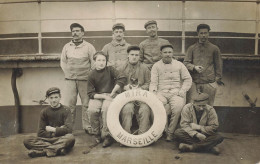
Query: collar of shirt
81, 45
153, 38
115, 43
203, 44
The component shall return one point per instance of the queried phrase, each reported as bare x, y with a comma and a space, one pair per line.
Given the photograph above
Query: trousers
210, 89
142, 114
51, 146
73, 88
99, 108
207, 144
176, 104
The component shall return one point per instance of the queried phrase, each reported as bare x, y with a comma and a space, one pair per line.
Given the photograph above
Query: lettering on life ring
125, 138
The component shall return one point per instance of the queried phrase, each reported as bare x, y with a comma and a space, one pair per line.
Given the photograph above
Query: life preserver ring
145, 139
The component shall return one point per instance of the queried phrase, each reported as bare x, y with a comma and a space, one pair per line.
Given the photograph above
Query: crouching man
103, 84
55, 128
138, 77
199, 123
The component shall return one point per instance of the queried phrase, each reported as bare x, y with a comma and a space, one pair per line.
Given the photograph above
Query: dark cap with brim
52, 91
201, 99
132, 47
118, 25
150, 22
166, 45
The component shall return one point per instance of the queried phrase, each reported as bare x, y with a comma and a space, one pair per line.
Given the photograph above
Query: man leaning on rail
55, 128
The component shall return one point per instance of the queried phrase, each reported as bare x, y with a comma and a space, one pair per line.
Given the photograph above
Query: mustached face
167, 54
199, 107
118, 34
151, 30
77, 34
54, 100
203, 35
100, 62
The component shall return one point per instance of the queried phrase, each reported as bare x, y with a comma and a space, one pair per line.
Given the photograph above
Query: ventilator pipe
17, 72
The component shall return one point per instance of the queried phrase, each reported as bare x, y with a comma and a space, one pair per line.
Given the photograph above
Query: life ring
125, 138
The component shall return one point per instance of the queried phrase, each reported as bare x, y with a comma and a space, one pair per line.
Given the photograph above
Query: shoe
185, 147
107, 142
36, 153
215, 150
98, 139
63, 152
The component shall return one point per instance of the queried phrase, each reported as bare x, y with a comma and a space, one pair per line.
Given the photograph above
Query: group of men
99, 76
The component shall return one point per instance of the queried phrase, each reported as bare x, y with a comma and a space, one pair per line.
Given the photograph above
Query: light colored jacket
209, 120
76, 61
171, 77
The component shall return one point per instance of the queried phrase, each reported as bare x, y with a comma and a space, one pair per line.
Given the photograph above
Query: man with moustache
203, 60
76, 62
170, 80
116, 49
55, 128
199, 123
150, 47
138, 77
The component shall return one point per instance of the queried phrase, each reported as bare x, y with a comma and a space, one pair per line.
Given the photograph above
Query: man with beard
150, 47
170, 80
138, 77
203, 60
54, 132
199, 123
76, 62
116, 50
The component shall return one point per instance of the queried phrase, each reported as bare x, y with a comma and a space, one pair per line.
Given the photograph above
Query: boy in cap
55, 128
138, 76
150, 47
203, 60
199, 123
170, 80
103, 84
76, 62
116, 49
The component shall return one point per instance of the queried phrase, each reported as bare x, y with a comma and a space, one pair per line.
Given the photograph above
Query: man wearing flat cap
170, 80
199, 123
203, 60
116, 49
55, 128
76, 63
138, 77
150, 47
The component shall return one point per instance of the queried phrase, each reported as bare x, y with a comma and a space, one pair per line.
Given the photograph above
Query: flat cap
201, 98
150, 22
76, 25
166, 45
132, 47
52, 90
118, 25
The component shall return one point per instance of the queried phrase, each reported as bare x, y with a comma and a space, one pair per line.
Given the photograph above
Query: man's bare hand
195, 126
181, 93
127, 87
50, 129
201, 137
198, 68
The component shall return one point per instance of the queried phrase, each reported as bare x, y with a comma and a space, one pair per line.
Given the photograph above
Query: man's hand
195, 126
50, 129
219, 82
201, 137
127, 87
198, 68
181, 93
106, 97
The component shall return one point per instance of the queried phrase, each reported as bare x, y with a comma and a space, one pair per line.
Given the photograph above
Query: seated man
55, 128
199, 123
138, 76
103, 83
170, 80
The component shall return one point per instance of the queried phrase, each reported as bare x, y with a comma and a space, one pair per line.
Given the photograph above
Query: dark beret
202, 26
76, 25
201, 98
166, 45
132, 47
118, 25
52, 90
150, 22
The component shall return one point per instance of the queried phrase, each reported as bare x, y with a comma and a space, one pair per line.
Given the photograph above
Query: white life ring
125, 138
